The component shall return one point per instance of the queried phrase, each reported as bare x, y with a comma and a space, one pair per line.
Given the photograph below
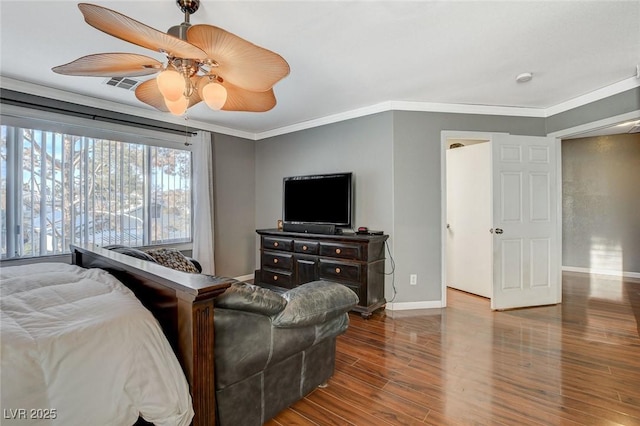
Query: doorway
557, 136
468, 245
590, 246
523, 263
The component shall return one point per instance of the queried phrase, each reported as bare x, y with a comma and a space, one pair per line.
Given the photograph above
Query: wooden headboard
182, 303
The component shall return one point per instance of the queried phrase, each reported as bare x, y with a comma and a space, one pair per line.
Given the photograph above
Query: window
60, 188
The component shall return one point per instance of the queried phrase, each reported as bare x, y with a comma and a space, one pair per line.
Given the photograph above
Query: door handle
497, 230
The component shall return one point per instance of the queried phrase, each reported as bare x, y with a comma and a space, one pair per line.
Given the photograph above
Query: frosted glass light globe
212, 93
171, 84
178, 107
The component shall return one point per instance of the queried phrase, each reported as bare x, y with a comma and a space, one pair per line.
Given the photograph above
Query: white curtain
203, 201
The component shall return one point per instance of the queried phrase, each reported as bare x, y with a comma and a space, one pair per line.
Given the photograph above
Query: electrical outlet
413, 279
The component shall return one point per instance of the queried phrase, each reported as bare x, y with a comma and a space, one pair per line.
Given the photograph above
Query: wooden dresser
288, 259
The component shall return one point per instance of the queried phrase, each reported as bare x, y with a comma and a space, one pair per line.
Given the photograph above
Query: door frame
558, 135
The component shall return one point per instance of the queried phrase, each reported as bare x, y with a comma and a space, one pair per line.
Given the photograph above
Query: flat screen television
325, 199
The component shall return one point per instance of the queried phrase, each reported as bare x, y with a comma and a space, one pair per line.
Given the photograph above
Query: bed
164, 371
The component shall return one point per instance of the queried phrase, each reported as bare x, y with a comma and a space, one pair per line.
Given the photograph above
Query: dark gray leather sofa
271, 350
272, 347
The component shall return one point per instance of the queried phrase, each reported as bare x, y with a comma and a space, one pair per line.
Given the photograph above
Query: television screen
321, 199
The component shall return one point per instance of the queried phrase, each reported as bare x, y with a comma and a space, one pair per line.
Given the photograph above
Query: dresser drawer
272, 243
340, 271
276, 260
307, 247
341, 250
277, 278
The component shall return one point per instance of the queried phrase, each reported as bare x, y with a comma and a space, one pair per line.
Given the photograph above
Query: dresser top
333, 237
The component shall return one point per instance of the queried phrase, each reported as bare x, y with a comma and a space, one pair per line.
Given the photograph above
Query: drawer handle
337, 270
276, 244
338, 251
275, 260
304, 248
275, 278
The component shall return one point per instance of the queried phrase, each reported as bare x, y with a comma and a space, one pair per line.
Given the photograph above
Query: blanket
78, 348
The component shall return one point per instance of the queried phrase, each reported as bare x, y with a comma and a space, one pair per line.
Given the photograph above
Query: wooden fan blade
239, 99
149, 93
127, 29
240, 62
110, 65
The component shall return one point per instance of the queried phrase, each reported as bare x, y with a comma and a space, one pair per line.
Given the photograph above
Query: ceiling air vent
123, 82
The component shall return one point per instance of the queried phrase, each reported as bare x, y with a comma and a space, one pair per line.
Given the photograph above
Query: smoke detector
524, 77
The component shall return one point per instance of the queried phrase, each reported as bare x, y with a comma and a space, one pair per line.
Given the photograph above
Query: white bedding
78, 346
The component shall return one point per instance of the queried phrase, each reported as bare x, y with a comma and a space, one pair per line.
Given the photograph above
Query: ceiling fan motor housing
179, 31
188, 7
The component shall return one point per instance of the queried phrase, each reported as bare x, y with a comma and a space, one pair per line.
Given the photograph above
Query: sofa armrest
314, 303
251, 298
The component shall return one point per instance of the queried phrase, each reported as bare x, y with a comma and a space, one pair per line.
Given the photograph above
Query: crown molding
468, 109
614, 89
596, 95
329, 119
404, 106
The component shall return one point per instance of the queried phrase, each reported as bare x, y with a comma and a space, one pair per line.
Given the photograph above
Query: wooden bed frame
182, 303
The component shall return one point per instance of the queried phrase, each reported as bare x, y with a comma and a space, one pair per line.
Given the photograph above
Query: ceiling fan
203, 63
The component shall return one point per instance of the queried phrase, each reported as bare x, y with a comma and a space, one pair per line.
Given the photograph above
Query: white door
525, 222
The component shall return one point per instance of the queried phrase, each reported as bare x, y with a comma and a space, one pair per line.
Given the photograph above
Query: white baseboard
405, 306
624, 274
247, 277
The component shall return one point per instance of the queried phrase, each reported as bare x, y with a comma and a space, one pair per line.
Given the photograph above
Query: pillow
172, 258
130, 251
251, 298
314, 303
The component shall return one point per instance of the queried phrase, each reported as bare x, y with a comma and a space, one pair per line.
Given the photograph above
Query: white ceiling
347, 56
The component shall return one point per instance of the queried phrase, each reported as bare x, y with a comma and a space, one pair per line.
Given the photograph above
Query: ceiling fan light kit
203, 63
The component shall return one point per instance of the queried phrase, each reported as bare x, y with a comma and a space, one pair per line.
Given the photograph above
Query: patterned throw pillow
172, 258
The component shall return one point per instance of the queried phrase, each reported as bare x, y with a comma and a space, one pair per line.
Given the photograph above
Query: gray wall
417, 191
234, 205
395, 157
601, 203
362, 146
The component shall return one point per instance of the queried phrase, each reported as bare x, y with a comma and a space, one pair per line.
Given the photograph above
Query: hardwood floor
577, 363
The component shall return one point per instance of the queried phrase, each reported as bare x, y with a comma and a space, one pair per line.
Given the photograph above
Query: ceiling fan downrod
189, 7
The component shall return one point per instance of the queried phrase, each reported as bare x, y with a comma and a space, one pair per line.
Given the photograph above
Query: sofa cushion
172, 258
251, 298
315, 302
